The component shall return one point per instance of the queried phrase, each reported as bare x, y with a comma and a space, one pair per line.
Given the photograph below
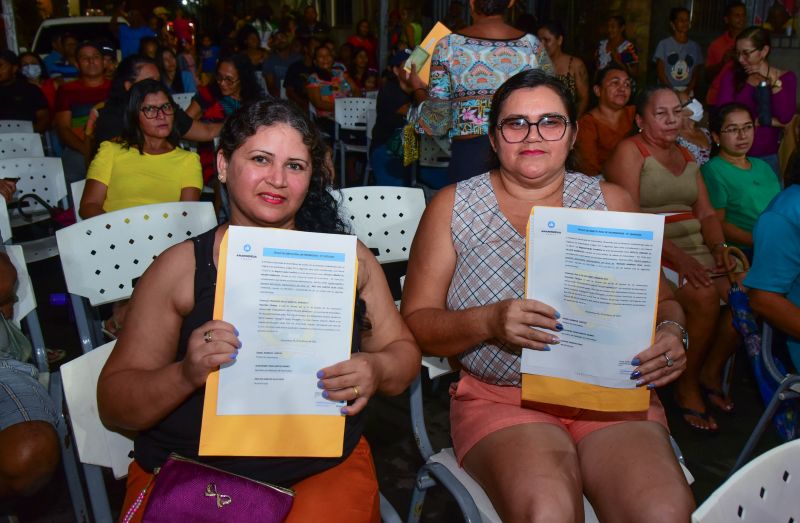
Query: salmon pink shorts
478, 409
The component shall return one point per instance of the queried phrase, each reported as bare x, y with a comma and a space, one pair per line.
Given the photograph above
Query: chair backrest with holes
43, 177
351, 113
21, 145
431, 153
16, 126
102, 256
384, 218
76, 188
5, 222
184, 100
763, 490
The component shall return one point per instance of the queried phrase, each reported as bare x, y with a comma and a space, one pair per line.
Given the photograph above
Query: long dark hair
759, 37
127, 71
528, 80
249, 89
176, 85
319, 211
132, 135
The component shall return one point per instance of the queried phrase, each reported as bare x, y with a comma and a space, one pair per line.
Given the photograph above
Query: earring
221, 178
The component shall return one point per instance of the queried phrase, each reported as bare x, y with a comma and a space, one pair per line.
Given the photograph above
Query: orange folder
259, 435
422, 54
569, 393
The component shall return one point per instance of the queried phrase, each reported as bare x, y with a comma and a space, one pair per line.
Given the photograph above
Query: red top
716, 52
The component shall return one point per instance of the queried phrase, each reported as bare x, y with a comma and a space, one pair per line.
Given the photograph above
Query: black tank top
179, 432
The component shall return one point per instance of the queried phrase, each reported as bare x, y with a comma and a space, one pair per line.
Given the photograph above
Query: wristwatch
684, 334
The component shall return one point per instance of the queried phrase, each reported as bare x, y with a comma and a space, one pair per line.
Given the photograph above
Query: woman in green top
739, 186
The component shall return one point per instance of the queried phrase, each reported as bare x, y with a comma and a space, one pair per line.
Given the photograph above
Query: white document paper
97, 445
601, 271
291, 295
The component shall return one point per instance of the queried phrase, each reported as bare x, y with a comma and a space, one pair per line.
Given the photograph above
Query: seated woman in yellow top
146, 165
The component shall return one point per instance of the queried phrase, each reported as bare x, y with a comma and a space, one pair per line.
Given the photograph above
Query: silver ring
207, 336
670, 363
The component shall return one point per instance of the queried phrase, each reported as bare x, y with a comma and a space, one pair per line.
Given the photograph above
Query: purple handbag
186, 490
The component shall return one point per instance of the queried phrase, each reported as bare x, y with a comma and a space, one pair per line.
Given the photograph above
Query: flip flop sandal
705, 416
717, 399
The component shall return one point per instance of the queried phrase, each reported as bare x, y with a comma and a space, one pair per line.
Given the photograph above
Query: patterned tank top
490, 264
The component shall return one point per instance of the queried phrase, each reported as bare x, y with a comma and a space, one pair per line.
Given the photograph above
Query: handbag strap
137, 504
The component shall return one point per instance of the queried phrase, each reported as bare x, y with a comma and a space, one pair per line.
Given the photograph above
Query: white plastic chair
434, 152
184, 100
350, 114
5, 222
16, 126
76, 188
385, 219
102, 256
25, 314
21, 145
765, 489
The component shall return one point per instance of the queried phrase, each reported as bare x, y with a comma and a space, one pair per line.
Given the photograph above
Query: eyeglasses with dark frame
151, 111
551, 128
746, 52
745, 129
227, 80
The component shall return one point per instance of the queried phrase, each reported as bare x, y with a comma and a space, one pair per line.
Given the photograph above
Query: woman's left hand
662, 362
353, 380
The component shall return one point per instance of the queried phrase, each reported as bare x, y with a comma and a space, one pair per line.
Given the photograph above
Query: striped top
490, 264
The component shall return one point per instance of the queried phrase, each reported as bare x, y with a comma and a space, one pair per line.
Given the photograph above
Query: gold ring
356, 391
207, 336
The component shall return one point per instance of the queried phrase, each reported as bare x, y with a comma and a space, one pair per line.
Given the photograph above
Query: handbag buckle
222, 499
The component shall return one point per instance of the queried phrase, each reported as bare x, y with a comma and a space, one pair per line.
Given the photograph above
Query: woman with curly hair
272, 160
235, 85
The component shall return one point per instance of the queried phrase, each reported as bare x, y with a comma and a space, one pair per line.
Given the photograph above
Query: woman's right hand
515, 322
210, 345
692, 271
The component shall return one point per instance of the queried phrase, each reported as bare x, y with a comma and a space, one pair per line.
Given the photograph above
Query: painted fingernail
546, 348
558, 315
639, 383
325, 394
320, 385
651, 386
234, 354
554, 340
635, 362
236, 331
636, 374
320, 374
344, 411
240, 344
559, 327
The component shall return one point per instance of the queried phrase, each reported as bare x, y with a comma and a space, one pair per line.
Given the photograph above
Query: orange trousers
346, 493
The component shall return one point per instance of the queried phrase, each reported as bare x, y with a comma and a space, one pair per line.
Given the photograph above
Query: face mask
32, 71
696, 109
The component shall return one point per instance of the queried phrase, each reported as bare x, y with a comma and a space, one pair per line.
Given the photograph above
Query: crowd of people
528, 125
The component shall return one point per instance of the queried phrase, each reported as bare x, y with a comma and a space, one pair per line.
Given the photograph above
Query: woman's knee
29, 455
700, 299
669, 505
555, 504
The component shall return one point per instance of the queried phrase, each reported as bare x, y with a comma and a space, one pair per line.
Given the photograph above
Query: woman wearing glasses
463, 298
145, 165
663, 178
235, 85
739, 186
768, 92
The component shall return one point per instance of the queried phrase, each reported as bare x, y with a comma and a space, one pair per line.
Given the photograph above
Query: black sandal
705, 416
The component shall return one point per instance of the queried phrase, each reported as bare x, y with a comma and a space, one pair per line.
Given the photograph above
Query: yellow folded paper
421, 55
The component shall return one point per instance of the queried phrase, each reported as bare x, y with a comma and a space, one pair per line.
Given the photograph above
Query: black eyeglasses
551, 128
745, 129
151, 111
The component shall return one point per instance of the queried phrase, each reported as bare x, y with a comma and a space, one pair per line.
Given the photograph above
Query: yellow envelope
269, 436
421, 55
569, 393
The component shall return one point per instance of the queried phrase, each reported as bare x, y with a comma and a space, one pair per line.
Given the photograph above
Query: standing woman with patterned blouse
617, 48
467, 67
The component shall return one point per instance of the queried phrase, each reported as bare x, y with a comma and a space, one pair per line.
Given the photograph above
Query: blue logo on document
551, 224
247, 247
